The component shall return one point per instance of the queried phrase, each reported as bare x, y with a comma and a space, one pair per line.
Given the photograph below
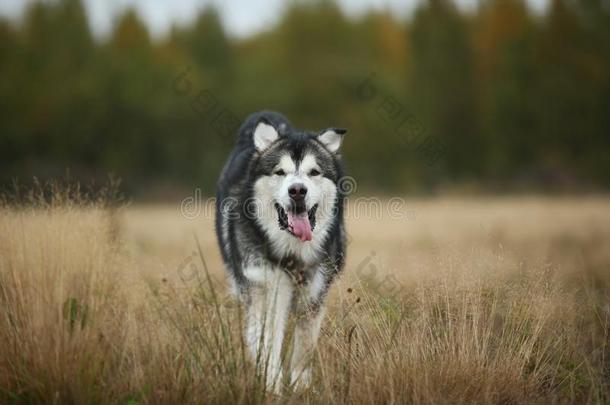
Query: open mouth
299, 225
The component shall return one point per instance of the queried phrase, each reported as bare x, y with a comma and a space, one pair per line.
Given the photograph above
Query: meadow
486, 300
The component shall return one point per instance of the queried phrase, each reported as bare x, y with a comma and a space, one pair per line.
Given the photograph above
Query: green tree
57, 52
11, 134
442, 86
573, 92
210, 48
507, 83
129, 137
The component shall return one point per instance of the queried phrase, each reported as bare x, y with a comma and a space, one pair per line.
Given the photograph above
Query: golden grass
498, 300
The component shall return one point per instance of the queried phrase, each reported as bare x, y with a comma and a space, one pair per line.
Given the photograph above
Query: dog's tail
245, 140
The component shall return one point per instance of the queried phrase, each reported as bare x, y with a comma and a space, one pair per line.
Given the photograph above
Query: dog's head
295, 180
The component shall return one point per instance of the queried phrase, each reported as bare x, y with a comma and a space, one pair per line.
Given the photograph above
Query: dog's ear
264, 135
332, 138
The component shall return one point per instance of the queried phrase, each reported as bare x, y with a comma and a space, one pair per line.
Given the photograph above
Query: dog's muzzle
297, 220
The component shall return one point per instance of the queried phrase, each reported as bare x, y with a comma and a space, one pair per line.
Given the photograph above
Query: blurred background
438, 96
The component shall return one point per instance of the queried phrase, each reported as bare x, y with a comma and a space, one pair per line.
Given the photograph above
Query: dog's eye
280, 172
314, 172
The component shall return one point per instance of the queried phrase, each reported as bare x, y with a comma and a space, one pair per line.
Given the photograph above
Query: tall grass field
465, 300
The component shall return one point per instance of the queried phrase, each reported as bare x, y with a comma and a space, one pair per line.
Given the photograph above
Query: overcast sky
240, 17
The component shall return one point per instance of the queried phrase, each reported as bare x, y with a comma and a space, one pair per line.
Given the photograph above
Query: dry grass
489, 301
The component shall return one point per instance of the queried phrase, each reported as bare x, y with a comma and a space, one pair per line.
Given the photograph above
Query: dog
280, 227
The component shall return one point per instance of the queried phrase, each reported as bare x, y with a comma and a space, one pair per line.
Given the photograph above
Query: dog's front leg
267, 310
306, 335
307, 329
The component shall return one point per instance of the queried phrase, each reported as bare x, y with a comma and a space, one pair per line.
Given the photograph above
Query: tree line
494, 99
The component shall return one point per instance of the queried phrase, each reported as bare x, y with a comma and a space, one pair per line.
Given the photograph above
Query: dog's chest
287, 246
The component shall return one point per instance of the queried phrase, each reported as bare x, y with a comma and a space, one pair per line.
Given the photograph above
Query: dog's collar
293, 267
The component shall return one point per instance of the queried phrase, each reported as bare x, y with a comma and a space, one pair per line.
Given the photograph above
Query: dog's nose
297, 191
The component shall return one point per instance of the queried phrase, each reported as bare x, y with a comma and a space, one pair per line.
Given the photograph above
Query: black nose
297, 191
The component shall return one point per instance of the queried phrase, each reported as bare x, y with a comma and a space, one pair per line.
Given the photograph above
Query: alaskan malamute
279, 222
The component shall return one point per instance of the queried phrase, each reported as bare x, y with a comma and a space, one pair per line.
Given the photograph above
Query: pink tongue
301, 228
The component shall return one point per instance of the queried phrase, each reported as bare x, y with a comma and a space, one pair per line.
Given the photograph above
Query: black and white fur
274, 272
